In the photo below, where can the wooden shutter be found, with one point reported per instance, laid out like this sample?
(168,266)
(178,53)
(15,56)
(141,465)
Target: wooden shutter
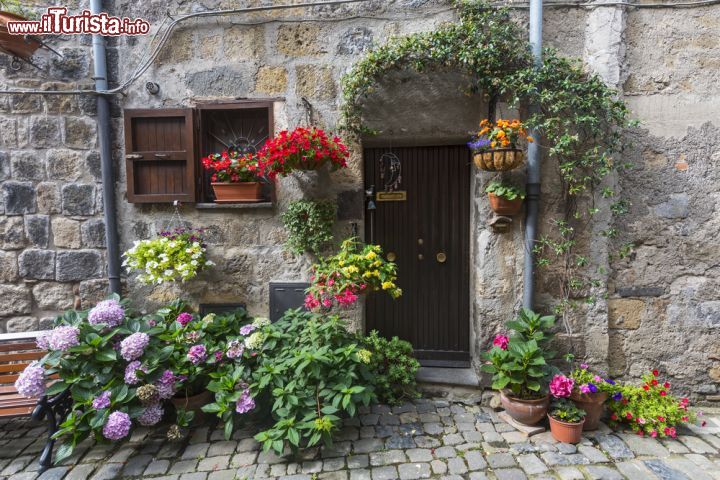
(160,155)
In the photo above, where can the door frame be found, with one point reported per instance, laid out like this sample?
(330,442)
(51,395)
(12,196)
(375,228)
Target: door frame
(472,234)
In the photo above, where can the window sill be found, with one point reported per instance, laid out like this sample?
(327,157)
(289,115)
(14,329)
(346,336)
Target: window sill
(233,206)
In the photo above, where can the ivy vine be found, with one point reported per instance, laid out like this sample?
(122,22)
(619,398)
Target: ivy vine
(309,224)
(580,120)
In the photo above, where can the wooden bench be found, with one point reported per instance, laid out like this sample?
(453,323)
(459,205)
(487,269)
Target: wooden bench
(17,351)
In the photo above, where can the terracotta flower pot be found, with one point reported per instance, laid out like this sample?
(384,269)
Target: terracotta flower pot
(528,412)
(237,192)
(194,403)
(22,46)
(499,159)
(503,206)
(566,432)
(593,404)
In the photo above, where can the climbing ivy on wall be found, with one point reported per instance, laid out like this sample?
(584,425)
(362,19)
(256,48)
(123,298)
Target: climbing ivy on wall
(579,118)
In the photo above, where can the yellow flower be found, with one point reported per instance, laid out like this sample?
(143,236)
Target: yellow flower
(364,355)
(376,273)
(388,285)
(370,255)
(377,263)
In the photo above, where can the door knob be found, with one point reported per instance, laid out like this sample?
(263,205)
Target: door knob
(420,256)
(391,256)
(441,257)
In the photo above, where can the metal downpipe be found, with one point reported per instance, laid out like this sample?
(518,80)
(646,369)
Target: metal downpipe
(533,169)
(108,180)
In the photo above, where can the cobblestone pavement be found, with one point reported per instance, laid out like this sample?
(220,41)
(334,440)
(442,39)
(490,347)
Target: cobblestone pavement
(424,439)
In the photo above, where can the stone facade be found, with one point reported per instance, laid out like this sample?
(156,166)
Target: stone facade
(662,309)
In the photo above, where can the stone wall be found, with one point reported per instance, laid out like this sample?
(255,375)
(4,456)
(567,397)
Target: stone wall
(662,309)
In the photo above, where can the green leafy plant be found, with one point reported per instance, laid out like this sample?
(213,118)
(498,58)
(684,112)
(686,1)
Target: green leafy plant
(519,363)
(505,190)
(394,367)
(179,254)
(309,224)
(649,409)
(17,7)
(313,371)
(566,411)
(357,269)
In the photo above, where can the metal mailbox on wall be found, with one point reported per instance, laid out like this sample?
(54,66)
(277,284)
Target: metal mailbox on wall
(285,296)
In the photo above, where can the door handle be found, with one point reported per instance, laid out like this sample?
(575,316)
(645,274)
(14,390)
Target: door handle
(421,256)
(441,257)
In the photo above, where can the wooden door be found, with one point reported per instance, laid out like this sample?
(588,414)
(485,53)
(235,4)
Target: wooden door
(428,234)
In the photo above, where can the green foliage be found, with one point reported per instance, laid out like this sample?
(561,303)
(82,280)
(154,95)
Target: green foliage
(579,119)
(649,409)
(309,225)
(520,364)
(312,369)
(505,189)
(566,411)
(394,367)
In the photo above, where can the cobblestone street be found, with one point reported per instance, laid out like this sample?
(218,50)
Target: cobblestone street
(424,439)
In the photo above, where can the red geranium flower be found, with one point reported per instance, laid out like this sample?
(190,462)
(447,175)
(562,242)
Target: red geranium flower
(663,393)
(655,372)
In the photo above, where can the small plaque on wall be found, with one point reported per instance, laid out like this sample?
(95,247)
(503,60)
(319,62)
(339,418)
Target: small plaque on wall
(398,196)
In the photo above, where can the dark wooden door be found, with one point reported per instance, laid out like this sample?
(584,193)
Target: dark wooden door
(433,222)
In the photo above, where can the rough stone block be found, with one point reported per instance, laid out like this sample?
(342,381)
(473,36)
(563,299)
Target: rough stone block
(66,165)
(355,40)
(28,165)
(300,40)
(73,65)
(92,165)
(37,264)
(19,198)
(48,198)
(241,42)
(93,233)
(221,81)
(44,132)
(8,267)
(66,104)
(21,324)
(640,291)
(37,229)
(26,103)
(53,296)
(625,313)
(80,133)
(315,82)
(178,49)
(8,132)
(78,265)
(66,232)
(4,165)
(78,199)
(14,300)
(12,233)
(271,80)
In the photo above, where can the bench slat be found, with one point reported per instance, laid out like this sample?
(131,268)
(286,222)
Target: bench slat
(16,412)
(14,357)
(17,346)
(13,367)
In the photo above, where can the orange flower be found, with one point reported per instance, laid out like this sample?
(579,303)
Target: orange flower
(483,131)
(484,123)
(530,139)
(501,134)
(492,144)
(505,142)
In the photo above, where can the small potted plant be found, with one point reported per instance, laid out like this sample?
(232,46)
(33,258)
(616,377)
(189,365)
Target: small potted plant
(302,149)
(566,421)
(235,177)
(22,46)
(519,367)
(505,198)
(496,146)
(590,393)
(178,254)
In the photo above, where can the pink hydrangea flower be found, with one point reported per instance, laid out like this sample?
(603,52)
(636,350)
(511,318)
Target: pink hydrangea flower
(501,341)
(31,382)
(63,338)
(102,400)
(197,354)
(109,312)
(117,426)
(184,318)
(245,403)
(561,386)
(133,346)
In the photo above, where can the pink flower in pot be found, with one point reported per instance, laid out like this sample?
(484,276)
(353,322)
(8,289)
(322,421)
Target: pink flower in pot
(561,386)
(501,341)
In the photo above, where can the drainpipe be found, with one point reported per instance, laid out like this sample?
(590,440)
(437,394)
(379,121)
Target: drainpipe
(108,181)
(533,169)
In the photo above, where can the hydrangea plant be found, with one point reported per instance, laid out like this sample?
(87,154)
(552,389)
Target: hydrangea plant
(175,255)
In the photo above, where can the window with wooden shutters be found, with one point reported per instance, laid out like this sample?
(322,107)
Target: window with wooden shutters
(160,155)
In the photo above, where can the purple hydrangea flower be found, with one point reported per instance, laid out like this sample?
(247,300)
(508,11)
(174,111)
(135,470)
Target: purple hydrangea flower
(235,349)
(151,415)
(247,329)
(197,354)
(218,356)
(109,312)
(43,340)
(102,400)
(166,385)
(63,338)
(245,403)
(31,382)
(479,144)
(134,346)
(117,426)
(184,318)
(131,377)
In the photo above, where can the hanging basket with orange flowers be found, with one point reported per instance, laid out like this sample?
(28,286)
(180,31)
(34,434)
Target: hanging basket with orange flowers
(496,146)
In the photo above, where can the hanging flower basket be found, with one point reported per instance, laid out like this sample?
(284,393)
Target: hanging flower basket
(499,160)
(22,46)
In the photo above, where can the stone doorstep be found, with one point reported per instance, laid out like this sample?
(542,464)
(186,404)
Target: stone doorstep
(528,430)
(456,377)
